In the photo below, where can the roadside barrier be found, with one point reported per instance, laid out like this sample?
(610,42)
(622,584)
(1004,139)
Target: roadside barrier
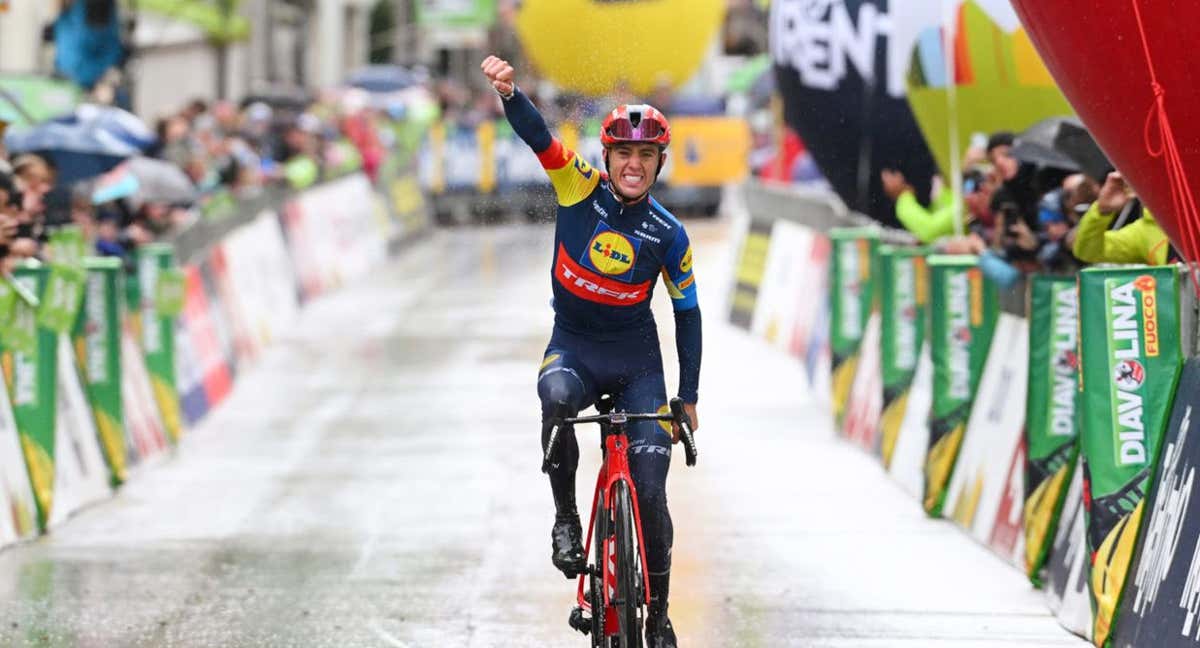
(1036,418)
(104,371)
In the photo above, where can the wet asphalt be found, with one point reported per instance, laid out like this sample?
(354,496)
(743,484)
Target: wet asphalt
(374,482)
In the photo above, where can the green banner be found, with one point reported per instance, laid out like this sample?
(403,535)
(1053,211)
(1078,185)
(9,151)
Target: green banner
(1051,428)
(158,334)
(31,377)
(850,298)
(1130,361)
(64,287)
(19,329)
(903,297)
(456,13)
(97,338)
(963,308)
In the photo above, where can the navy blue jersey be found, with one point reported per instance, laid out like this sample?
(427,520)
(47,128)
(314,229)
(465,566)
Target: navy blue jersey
(608,255)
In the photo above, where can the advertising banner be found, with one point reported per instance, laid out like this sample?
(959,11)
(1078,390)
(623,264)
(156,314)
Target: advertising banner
(98,356)
(145,436)
(780,291)
(1051,433)
(1131,355)
(1066,568)
(907,464)
(18,520)
(851,294)
(861,420)
(903,297)
(715,151)
(986,492)
(748,273)
(80,476)
(158,334)
(1161,603)
(810,334)
(31,386)
(963,307)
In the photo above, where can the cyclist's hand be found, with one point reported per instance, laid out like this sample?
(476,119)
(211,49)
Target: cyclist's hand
(690,410)
(499,73)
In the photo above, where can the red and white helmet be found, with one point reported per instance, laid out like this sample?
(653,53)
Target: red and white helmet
(635,123)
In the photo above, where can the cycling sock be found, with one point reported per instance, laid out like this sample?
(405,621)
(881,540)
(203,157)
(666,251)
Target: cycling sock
(562,475)
(660,590)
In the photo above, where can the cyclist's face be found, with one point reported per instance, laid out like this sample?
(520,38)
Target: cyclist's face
(633,167)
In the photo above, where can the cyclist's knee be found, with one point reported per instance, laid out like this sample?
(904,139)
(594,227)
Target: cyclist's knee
(560,385)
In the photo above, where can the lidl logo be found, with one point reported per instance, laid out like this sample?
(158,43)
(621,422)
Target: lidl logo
(611,253)
(583,168)
(686,264)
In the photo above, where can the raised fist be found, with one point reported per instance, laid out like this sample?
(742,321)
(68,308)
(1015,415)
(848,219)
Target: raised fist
(499,73)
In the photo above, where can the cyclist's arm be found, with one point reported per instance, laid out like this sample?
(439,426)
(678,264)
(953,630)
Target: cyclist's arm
(681,284)
(573,178)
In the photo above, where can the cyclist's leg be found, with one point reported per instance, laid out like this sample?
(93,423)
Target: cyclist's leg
(649,461)
(564,379)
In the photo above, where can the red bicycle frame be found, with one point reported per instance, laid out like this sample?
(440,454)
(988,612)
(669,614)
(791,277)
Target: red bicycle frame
(614,468)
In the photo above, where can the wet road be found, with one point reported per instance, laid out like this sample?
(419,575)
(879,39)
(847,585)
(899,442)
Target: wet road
(374,482)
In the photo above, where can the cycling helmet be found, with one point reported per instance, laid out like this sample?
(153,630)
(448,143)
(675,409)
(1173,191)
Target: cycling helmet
(635,123)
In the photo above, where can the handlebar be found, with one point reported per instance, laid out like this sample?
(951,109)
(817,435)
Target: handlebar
(619,419)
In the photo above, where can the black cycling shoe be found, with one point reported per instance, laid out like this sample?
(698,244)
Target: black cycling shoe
(659,631)
(567,542)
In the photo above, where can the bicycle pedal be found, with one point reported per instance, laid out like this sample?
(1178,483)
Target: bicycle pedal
(580,622)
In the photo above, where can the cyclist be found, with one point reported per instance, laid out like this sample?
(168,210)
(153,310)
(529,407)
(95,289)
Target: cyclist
(611,242)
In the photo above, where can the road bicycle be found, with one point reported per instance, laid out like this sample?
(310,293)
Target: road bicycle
(614,588)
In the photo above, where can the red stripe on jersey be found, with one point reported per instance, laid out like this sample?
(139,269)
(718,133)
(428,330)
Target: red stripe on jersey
(585,284)
(555,157)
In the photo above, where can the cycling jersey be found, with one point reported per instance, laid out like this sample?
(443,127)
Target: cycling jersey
(608,255)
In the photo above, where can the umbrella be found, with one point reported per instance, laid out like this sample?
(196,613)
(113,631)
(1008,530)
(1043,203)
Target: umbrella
(381,78)
(1036,146)
(122,124)
(1077,142)
(146,180)
(79,150)
(161,182)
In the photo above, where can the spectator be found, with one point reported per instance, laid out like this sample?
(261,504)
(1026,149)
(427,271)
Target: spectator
(1142,241)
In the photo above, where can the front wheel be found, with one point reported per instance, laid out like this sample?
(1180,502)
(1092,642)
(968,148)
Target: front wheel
(628,603)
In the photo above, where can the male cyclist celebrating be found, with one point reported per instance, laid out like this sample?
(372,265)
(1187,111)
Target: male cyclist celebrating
(611,242)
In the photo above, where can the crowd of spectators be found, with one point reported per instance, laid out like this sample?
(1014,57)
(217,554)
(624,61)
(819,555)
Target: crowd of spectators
(227,152)
(1020,216)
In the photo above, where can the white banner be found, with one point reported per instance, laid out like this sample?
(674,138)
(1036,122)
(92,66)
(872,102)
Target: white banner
(80,474)
(144,432)
(865,403)
(908,459)
(1066,569)
(992,443)
(779,295)
(18,520)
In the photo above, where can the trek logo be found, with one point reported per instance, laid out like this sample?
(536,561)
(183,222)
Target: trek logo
(599,210)
(585,284)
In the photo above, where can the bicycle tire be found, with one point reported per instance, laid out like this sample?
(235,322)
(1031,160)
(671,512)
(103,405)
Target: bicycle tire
(628,603)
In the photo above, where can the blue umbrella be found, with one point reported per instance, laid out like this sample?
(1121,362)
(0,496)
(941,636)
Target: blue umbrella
(124,125)
(381,78)
(79,150)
